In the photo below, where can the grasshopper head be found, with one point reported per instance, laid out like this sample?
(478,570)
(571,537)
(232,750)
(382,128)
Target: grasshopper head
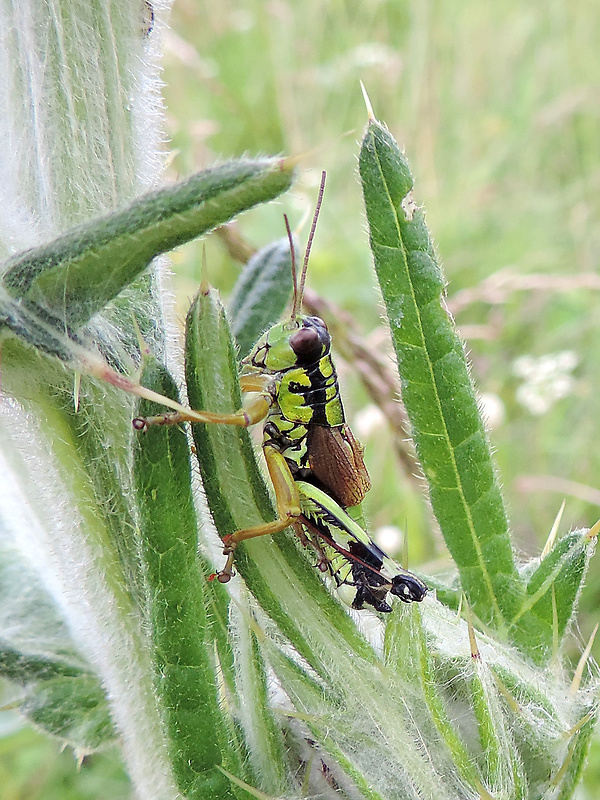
(298,342)
(301,341)
(408,588)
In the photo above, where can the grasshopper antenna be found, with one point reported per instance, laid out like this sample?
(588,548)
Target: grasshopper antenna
(299,290)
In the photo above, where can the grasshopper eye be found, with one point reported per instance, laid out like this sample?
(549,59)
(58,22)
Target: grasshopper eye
(306,343)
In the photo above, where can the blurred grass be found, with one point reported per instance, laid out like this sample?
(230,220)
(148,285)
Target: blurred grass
(497,106)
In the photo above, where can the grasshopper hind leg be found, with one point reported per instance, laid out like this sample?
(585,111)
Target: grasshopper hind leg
(288,511)
(365,595)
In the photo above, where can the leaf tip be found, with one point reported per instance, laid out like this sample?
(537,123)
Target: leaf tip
(593,531)
(553,532)
(252,791)
(289,163)
(370,112)
(475,654)
(204,287)
(76,390)
(143,346)
(576,682)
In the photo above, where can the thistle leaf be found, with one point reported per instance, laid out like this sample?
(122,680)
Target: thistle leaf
(75,276)
(551,597)
(437,391)
(184,677)
(260,294)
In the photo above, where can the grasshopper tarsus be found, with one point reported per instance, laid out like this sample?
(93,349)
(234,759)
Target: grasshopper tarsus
(221,577)
(142,424)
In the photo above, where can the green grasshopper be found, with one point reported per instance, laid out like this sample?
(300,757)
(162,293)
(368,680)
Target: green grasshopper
(315,464)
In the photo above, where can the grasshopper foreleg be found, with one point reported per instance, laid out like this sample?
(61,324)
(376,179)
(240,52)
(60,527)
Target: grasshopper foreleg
(258,399)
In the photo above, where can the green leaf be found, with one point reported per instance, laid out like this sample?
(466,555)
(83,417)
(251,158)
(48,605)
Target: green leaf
(263,735)
(33,326)
(261,293)
(236,493)
(76,275)
(72,708)
(409,654)
(22,667)
(552,592)
(577,754)
(437,391)
(502,767)
(184,678)
(60,693)
(372,723)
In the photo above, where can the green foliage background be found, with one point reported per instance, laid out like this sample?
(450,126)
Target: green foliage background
(496,106)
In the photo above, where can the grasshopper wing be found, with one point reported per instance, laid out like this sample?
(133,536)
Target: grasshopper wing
(335,458)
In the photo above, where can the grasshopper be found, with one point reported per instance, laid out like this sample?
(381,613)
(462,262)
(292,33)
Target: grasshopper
(315,464)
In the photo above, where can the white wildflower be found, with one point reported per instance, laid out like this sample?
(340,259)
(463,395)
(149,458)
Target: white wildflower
(546,379)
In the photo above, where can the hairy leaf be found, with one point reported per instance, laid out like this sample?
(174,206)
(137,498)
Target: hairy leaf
(437,391)
(73,277)
(260,294)
(184,678)
(552,592)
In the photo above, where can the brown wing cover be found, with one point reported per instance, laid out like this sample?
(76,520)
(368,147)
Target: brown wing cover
(335,458)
